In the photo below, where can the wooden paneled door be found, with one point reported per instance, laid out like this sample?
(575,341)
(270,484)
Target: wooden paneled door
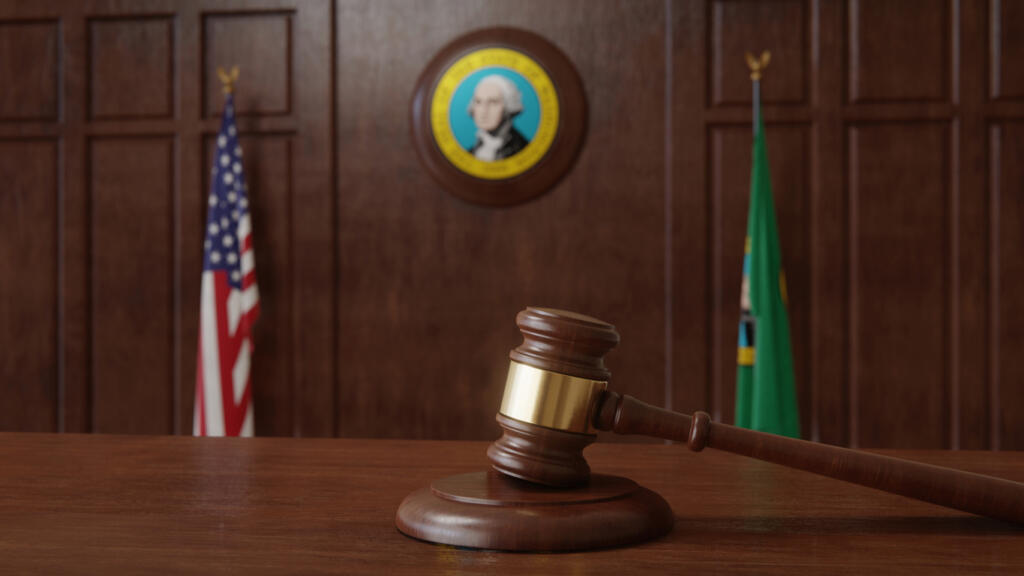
(107,111)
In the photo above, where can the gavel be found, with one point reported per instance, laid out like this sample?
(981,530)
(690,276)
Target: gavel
(556,399)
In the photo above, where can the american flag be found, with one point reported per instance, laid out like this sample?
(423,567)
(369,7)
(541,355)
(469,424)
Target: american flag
(229,301)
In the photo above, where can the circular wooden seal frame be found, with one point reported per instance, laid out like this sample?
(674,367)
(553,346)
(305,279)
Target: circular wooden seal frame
(548,156)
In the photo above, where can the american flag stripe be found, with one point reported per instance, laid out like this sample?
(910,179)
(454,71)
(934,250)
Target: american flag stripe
(244,229)
(229,297)
(248,263)
(209,362)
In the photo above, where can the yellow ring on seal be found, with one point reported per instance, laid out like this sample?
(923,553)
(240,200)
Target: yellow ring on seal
(440,104)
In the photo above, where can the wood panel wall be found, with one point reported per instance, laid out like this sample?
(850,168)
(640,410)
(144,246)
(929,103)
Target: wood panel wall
(106,114)
(895,131)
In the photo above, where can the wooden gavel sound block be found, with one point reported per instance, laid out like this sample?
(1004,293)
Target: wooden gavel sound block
(541,496)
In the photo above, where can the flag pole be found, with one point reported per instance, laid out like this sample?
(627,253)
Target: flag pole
(757,66)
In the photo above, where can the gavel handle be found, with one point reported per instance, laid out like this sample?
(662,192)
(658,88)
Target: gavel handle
(975,493)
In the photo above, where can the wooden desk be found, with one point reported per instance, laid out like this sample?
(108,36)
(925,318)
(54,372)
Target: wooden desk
(161,505)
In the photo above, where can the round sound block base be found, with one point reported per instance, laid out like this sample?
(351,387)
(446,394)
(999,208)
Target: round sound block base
(492,511)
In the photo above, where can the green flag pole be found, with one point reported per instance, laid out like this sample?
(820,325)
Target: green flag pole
(765,386)
(757,66)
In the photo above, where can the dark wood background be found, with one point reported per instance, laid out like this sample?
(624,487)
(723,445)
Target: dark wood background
(895,131)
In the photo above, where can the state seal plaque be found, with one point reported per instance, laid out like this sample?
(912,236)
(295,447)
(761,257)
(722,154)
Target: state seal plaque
(498,116)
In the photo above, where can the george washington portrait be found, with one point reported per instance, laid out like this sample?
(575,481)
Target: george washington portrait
(495,104)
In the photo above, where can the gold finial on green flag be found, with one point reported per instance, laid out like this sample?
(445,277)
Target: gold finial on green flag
(757,64)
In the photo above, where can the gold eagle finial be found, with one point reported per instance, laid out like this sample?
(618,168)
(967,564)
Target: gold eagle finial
(758,64)
(228,80)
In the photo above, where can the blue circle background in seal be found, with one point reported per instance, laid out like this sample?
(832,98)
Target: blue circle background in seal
(458,111)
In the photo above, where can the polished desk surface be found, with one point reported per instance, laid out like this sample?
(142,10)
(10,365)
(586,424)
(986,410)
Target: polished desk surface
(162,505)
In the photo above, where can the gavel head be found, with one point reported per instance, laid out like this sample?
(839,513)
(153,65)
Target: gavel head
(555,384)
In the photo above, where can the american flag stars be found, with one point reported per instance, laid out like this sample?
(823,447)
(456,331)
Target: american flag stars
(228,206)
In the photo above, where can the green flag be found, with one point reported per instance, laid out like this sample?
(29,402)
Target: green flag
(765,390)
